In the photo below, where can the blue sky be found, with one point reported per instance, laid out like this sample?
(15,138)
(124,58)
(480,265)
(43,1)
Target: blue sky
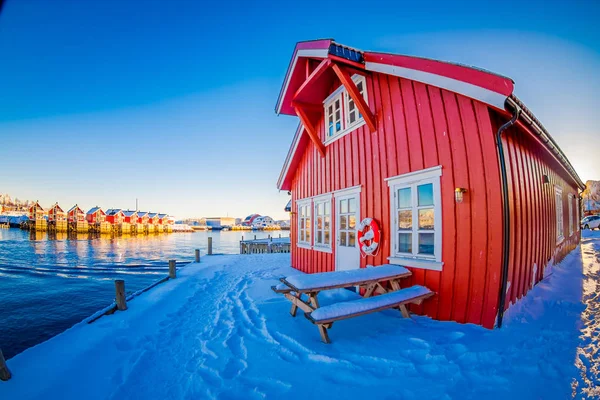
(103,102)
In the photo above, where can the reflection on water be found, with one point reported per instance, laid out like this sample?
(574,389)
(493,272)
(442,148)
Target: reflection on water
(48,282)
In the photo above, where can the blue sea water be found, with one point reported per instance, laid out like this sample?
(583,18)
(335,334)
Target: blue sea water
(47,283)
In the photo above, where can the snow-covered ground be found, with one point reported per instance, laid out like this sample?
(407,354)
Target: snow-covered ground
(218,331)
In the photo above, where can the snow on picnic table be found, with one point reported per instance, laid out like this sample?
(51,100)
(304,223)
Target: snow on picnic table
(219,331)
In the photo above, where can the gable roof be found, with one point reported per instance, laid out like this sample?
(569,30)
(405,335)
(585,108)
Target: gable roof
(113,211)
(94,210)
(56,208)
(487,87)
(142,213)
(75,208)
(129,213)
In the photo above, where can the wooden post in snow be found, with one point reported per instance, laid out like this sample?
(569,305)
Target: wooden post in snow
(197,255)
(4,371)
(172,269)
(210,245)
(254,237)
(120,295)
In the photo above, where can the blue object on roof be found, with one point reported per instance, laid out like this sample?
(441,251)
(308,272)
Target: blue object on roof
(345,52)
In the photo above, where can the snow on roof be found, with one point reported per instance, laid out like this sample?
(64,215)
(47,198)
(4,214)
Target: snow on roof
(113,211)
(93,210)
(128,213)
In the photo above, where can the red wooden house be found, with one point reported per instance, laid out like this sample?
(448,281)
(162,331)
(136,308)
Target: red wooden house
(130,217)
(114,216)
(95,215)
(56,214)
(75,214)
(36,212)
(153,218)
(412,143)
(142,217)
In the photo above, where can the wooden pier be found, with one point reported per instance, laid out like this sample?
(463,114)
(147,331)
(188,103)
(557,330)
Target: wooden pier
(268,245)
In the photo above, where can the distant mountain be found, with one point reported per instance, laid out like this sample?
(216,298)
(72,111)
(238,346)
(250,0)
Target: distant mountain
(591,197)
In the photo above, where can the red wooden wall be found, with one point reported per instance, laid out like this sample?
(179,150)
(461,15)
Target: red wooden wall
(533,210)
(420,126)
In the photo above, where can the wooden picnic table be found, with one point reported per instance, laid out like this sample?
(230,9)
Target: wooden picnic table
(370,278)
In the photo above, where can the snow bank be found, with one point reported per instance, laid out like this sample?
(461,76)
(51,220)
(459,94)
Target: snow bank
(219,331)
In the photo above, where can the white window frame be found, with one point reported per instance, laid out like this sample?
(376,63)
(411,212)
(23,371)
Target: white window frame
(559,214)
(344,97)
(414,179)
(570,197)
(307,204)
(322,199)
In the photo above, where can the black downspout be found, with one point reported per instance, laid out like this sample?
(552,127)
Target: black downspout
(505,215)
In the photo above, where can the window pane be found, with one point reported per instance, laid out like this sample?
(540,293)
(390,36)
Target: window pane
(352,205)
(308,224)
(426,218)
(351,238)
(319,222)
(405,242)
(327,223)
(351,222)
(308,234)
(302,235)
(326,237)
(343,222)
(302,223)
(342,238)
(404,198)
(320,208)
(319,237)
(425,193)
(359,86)
(338,126)
(352,117)
(405,220)
(426,241)
(344,206)
(327,208)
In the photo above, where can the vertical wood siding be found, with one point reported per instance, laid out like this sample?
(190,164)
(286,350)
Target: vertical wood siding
(533,245)
(419,126)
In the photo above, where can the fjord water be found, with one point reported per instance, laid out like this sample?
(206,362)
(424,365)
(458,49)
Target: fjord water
(48,283)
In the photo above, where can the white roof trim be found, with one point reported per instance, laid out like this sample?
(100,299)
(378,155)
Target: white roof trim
(288,162)
(316,53)
(475,92)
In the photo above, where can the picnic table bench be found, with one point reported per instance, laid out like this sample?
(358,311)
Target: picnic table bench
(370,278)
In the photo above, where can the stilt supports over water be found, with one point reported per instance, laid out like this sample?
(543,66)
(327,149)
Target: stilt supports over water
(209,245)
(172,269)
(197,255)
(4,371)
(120,295)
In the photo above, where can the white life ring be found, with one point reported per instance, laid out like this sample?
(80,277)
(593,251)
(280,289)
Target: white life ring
(369,236)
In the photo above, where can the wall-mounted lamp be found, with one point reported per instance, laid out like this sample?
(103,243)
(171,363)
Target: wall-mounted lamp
(459,194)
(546,180)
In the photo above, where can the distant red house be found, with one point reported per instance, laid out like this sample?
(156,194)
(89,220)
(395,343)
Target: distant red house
(36,211)
(130,217)
(142,217)
(163,219)
(75,214)
(56,214)
(114,216)
(95,215)
(412,143)
(153,218)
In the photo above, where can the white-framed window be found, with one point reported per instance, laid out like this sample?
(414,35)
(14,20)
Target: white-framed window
(322,225)
(304,223)
(570,214)
(559,213)
(341,114)
(416,219)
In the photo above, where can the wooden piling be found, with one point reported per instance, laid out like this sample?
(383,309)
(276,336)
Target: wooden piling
(120,295)
(254,237)
(172,269)
(197,255)
(209,245)
(4,371)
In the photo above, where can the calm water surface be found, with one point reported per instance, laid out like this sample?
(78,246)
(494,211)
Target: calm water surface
(47,284)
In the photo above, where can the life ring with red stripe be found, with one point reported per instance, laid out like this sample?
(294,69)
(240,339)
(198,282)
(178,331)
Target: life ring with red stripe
(369,236)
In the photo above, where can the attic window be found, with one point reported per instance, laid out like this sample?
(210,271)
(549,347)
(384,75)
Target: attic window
(341,114)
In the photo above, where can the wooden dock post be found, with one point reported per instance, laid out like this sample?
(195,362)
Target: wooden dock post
(172,268)
(120,295)
(254,237)
(4,371)
(210,245)
(280,236)
(197,255)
